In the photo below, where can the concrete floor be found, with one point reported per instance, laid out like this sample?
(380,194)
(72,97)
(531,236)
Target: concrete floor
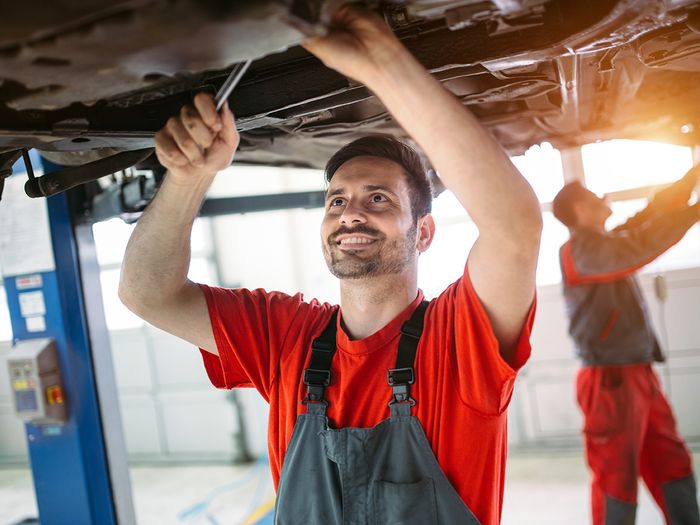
(542,489)
(552,489)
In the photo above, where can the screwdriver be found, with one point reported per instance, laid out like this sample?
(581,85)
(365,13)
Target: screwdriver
(231,82)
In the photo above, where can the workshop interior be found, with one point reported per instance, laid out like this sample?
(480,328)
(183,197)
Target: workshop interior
(105,419)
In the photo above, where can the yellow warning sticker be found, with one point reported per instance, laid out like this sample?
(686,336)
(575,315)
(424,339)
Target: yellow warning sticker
(20,384)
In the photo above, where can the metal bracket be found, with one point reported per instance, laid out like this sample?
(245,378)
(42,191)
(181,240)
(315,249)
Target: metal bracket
(64,179)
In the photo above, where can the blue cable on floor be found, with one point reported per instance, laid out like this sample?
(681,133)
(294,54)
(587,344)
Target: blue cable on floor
(258,496)
(200,509)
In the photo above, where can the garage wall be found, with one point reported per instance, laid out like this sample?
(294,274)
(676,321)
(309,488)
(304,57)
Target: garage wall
(169,408)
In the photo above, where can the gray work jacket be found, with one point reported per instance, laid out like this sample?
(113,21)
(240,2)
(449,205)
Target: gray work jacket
(608,317)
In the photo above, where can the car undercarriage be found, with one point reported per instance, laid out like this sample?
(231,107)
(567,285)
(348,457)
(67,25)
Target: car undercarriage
(83,80)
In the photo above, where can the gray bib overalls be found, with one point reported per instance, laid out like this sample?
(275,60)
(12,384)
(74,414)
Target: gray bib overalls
(384,475)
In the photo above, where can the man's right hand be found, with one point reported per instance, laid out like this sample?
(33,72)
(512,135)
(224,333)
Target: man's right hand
(199,142)
(678,193)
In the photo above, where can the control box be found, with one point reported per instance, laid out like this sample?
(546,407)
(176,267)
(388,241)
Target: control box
(35,381)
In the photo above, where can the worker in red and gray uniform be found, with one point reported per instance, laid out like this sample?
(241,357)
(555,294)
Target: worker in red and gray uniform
(629,427)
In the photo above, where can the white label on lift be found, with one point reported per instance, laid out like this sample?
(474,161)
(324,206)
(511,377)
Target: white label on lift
(32,304)
(36,323)
(25,236)
(29,281)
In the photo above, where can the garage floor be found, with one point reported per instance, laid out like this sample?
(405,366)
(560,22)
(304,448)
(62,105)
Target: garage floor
(542,489)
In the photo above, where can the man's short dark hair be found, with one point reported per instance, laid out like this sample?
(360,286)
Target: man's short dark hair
(563,203)
(387,147)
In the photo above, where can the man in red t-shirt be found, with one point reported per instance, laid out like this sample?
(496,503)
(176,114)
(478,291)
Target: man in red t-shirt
(387,408)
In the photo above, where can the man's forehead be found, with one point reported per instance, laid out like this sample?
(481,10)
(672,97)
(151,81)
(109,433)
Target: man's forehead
(368,172)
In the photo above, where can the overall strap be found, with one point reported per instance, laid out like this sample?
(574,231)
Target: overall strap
(318,376)
(402,375)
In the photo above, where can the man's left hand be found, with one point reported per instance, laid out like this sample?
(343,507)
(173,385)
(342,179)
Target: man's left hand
(358,42)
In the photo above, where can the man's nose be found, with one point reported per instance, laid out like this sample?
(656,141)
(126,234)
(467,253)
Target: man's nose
(352,214)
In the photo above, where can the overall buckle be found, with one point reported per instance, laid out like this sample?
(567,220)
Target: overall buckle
(316,381)
(399,380)
(317,377)
(400,376)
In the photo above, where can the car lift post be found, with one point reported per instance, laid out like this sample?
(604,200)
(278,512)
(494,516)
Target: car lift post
(79,468)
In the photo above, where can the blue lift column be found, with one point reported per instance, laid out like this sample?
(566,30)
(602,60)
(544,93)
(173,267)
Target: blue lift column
(53,290)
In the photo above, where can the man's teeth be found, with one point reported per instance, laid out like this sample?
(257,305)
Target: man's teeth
(355,240)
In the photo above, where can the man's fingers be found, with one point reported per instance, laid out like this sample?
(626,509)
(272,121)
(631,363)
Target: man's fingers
(196,127)
(341,20)
(346,14)
(188,142)
(355,17)
(207,111)
(167,151)
(184,141)
(228,133)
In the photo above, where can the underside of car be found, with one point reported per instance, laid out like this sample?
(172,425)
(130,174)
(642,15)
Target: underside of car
(82,80)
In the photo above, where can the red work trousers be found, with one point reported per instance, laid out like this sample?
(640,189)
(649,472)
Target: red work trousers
(629,431)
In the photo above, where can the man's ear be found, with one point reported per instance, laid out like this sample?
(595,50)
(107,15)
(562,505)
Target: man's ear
(426,232)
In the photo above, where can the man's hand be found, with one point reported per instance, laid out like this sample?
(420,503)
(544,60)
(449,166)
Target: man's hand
(678,193)
(199,142)
(357,43)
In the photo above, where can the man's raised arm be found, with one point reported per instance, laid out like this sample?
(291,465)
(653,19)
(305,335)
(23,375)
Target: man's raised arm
(472,165)
(194,146)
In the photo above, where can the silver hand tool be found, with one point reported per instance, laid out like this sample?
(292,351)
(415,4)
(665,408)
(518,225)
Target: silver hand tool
(233,79)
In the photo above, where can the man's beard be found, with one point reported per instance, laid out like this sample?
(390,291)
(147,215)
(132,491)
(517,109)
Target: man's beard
(391,258)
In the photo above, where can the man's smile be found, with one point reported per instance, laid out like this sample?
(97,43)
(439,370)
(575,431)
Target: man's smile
(353,242)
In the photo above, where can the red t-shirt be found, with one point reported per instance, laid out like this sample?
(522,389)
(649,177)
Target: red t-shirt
(462,386)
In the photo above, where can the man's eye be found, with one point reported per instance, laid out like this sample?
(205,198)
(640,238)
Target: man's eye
(378,198)
(337,202)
